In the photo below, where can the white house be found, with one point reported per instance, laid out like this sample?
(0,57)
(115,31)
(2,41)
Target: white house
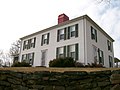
(80,38)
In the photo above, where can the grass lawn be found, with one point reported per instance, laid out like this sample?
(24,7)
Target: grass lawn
(33,69)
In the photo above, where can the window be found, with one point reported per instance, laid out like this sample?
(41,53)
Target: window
(30,43)
(61,52)
(72,51)
(110,61)
(61,34)
(45,39)
(28,58)
(73,31)
(67,32)
(101,56)
(93,34)
(109,45)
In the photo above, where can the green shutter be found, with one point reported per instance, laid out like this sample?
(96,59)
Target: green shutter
(58,35)
(57,52)
(32,58)
(64,51)
(34,42)
(24,45)
(42,40)
(99,54)
(68,32)
(91,32)
(65,30)
(110,46)
(22,57)
(48,35)
(96,35)
(76,51)
(68,50)
(102,58)
(76,30)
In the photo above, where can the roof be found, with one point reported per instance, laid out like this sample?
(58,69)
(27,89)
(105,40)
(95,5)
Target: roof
(67,22)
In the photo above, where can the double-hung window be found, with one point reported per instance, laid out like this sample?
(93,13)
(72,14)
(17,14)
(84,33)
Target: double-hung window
(61,34)
(101,56)
(28,58)
(109,45)
(29,43)
(110,61)
(93,34)
(45,39)
(72,31)
(61,52)
(72,51)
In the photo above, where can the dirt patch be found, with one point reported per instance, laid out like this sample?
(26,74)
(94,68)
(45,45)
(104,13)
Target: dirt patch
(33,69)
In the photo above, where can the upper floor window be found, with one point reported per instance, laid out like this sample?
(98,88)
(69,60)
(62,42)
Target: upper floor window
(73,31)
(93,34)
(109,45)
(61,34)
(101,56)
(28,58)
(67,32)
(110,61)
(45,39)
(29,43)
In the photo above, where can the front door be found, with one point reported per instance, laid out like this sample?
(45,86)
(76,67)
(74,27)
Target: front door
(43,57)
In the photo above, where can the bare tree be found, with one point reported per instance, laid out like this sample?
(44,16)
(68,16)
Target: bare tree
(5,59)
(15,48)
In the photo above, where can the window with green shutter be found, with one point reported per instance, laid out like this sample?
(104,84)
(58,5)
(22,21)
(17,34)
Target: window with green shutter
(61,52)
(109,44)
(93,34)
(110,61)
(101,56)
(45,39)
(73,51)
(76,51)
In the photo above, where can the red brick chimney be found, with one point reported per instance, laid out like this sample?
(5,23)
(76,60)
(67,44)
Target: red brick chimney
(62,18)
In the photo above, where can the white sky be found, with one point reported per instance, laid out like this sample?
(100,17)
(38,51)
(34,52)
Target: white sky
(19,18)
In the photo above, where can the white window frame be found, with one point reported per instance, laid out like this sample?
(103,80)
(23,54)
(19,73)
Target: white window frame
(72,30)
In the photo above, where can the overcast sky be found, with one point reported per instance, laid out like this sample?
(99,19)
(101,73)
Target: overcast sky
(22,17)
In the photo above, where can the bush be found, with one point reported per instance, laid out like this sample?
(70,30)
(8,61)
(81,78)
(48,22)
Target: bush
(21,64)
(94,65)
(62,62)
(78,64)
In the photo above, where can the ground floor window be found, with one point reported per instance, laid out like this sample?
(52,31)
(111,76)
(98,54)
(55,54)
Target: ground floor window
(28,58)
(110,61)
(68,51)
